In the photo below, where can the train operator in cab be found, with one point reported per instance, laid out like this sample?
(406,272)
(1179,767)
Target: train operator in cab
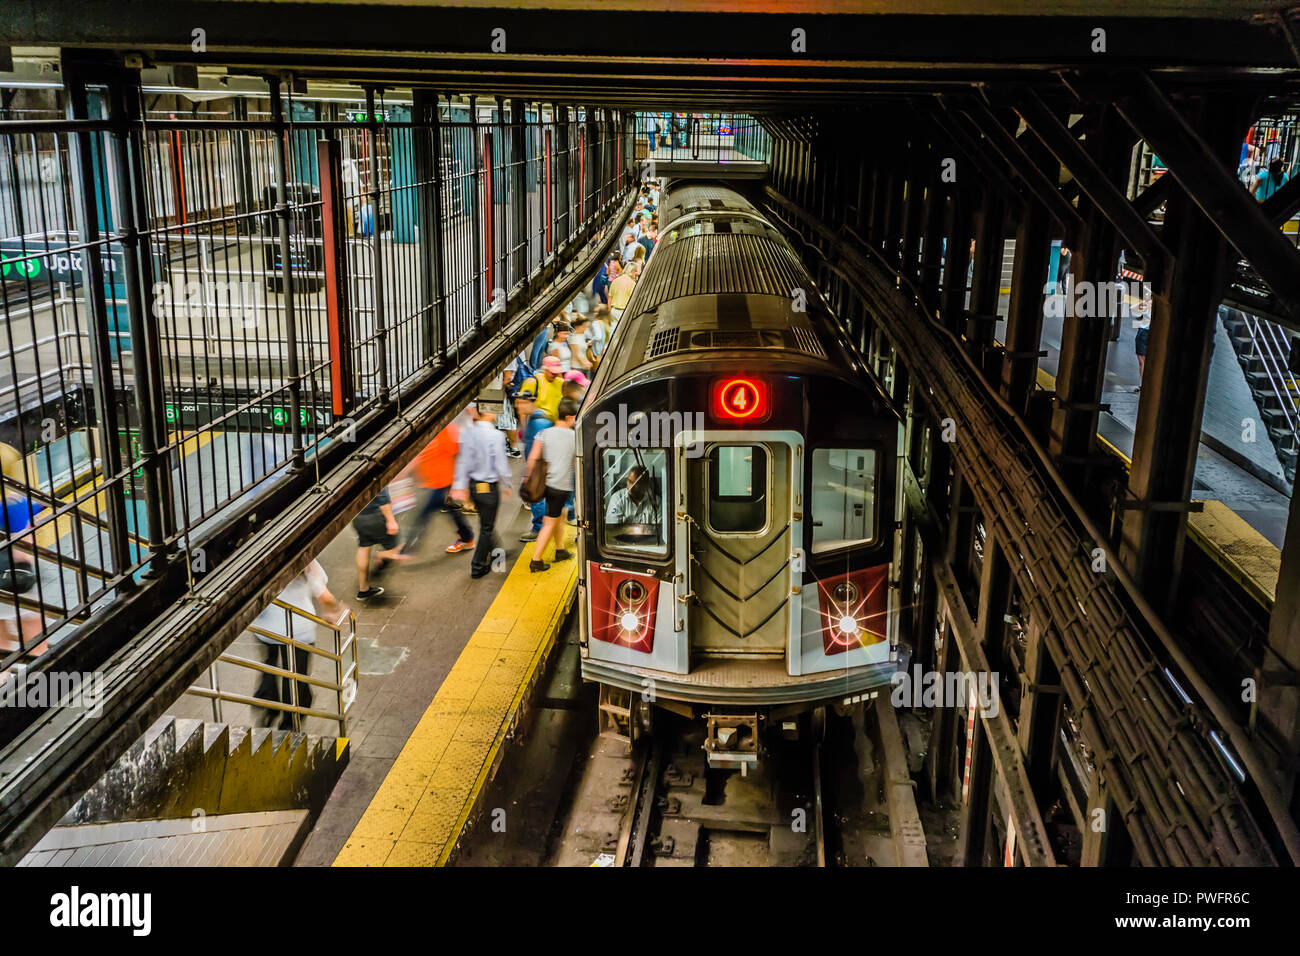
(634,503)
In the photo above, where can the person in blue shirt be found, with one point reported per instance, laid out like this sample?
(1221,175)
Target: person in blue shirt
(483,474)
(538,350)
(600,284)
(532,420)
(1270,180)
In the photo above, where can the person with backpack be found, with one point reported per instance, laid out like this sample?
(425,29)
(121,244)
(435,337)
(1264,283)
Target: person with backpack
(547,387)
(532,421)
(556,447)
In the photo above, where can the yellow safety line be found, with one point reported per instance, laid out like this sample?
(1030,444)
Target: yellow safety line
(436,782)
(51,532)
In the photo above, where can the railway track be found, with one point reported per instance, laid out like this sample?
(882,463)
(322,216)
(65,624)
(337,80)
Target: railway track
(811,802)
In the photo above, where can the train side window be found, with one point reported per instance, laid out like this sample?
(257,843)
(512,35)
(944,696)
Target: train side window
(737,489)
(633,487)
(843,498)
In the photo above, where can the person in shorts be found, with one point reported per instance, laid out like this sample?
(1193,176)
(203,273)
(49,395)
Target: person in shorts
(376,527)
(557,447)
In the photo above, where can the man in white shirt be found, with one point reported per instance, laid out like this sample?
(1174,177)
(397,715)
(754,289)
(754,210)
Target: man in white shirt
(277,621)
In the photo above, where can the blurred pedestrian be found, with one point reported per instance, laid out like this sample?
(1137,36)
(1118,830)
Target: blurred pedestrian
(556,447)
(532,421)
(435,469)
(483,475)
(376,527)
(276,620)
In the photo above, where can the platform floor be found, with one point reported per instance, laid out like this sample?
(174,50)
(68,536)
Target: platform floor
(432,789)
(408,642)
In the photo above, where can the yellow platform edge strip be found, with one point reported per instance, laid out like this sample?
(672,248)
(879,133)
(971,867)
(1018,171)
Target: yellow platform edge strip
(415,763)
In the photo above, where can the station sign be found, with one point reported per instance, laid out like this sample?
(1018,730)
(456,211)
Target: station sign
(41,262)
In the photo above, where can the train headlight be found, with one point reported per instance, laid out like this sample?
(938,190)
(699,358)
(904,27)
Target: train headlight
(631,592)
(854,609)
(622,607)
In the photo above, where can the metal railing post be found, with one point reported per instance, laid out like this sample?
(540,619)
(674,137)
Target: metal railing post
(381,330)
(477,205)
(145,344)
(285,214)
(101,357)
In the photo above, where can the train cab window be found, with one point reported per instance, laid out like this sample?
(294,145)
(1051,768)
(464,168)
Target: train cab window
(843,498)
(737,489)
(633,489)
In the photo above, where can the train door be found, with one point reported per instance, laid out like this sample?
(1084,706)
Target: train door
(738,535)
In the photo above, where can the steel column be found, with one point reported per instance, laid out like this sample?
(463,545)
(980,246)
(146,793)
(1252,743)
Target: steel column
(1168,430)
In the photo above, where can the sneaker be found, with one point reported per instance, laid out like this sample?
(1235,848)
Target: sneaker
(528,536)
(368,593)
(460,546)
(538,566)
(562,555)
(514,453)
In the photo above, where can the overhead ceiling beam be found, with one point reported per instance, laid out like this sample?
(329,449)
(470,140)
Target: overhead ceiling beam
(1216,191)
(1020,163)
(1095,184)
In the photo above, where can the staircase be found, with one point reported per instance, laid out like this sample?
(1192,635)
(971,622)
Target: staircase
(1264,352)
(250,793)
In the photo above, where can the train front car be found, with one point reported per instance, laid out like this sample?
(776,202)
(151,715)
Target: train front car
(738,491)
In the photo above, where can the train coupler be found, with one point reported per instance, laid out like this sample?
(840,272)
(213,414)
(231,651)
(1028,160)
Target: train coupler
(732,741)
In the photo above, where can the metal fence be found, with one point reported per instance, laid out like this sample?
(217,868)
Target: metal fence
(703,137)
(194,306)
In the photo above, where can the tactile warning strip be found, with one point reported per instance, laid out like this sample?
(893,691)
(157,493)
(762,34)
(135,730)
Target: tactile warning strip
(434,786)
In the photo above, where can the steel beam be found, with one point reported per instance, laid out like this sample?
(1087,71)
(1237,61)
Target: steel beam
(1204,172)
(1024,332)
(1168,431)
(1279,700)
(1092,180)
(1022,164)
(1081,365)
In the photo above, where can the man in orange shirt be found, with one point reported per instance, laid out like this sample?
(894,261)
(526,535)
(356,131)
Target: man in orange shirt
(435,468)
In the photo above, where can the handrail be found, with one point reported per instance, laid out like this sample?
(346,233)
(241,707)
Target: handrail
(344,658)
(1264,335)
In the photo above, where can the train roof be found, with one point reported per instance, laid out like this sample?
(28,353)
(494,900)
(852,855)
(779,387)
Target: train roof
(722,278)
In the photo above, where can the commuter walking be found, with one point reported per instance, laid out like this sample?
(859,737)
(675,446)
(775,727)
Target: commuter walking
(435,469)
(620,290)
(275,620)
(547,387)
(555,447)
(376,527)
(483,474)
(533,421)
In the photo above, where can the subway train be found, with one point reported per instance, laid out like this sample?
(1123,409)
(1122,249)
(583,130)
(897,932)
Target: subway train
(737,493)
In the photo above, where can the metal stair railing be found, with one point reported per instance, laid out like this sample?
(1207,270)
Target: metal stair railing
(1273,353)
(343,688)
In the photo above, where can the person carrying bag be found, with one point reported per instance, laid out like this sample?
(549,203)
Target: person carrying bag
(533,487)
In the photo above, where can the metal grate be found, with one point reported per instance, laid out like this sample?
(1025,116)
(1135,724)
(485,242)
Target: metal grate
(807,341)
(664,342)
(715,264)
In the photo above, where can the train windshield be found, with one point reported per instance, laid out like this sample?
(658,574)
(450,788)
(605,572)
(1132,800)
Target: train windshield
(737,489)
(633,489)
(843,498)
